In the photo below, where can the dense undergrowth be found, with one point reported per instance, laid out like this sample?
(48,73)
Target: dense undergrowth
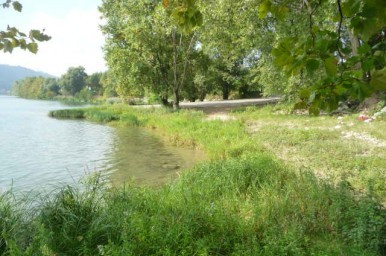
(244,201)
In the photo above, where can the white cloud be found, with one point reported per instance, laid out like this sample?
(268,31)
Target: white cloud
(76,41)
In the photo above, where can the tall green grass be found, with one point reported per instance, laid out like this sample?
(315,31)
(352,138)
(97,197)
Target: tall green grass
(67,113)
(253,205)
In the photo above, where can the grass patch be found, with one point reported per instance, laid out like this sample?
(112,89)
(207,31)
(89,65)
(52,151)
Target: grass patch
(334,149)
(252,205)
(67,114)
(276,184)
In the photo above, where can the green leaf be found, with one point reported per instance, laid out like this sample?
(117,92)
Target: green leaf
(330,65)
(378,79)
(368,64)
(360,90)
(314,109)
(340,90)
(22,34)
(333,103)
(199,19)
(23,44)
(312,65)
(300,105)
(15,43)
(264,9)
(37,35)
(32,47)
(363,49)
(351,7)
(304,94)
(322,45)
(379,53)
(280,12)
(17,6)
(7,46)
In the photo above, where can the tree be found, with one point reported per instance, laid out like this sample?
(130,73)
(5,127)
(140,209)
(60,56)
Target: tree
(11,37)
(234,39)
(50,88)
(108,84)
(73,81)
(135,51)
(93,83)
(145,49)
(343,51)
(36,88)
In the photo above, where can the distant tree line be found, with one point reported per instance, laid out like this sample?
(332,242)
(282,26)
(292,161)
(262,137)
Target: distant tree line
(74,83)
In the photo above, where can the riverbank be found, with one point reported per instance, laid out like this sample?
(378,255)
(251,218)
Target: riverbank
(333,148)
(274,184)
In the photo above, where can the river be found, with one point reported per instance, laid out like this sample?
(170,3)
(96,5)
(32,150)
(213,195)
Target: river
(40,153)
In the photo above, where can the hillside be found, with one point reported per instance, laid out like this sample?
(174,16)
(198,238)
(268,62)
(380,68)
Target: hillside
(10,74)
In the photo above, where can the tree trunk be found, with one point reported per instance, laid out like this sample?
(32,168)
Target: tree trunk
(176,100)
(176,95)
(225,91)
(354,42)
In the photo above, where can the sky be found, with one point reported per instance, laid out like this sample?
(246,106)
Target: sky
(74,28)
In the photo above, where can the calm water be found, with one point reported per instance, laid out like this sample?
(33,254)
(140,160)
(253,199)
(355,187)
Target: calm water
(38,152)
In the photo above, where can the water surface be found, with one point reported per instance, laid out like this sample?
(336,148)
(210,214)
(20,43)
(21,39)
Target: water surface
(38,152)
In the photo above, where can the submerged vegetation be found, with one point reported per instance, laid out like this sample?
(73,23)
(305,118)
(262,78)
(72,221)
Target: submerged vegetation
(251,198)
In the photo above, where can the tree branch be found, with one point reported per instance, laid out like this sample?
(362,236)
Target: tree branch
(311,14)
(339,28)
(186,60)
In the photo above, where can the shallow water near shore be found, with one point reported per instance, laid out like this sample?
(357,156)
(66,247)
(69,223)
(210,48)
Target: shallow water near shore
(40,153)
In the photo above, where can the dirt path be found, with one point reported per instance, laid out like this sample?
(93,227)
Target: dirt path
(219,106)
(226,105)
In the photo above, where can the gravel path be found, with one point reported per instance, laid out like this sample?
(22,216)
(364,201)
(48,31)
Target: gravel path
(214,106)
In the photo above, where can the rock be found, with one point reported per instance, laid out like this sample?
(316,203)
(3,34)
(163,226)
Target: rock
(170,166)
(363,117)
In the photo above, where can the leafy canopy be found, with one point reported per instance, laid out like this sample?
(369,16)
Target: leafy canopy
(343,50)
(185,14)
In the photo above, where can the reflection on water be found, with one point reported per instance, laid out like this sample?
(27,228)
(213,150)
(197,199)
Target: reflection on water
(38,152)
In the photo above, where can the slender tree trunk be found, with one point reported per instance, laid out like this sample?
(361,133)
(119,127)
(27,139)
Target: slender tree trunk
(179,80)
(225,91)
(176,98)
(176,101)
(354,42)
